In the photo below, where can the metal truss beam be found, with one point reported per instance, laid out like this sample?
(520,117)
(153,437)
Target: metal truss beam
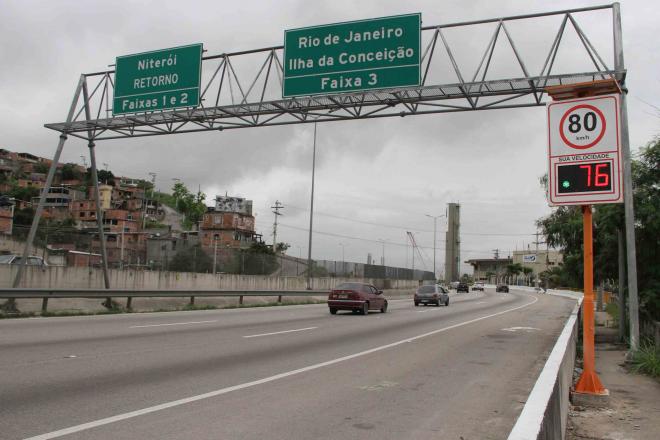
(232,100)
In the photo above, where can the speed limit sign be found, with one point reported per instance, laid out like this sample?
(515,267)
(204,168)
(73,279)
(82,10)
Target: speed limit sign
(584,154)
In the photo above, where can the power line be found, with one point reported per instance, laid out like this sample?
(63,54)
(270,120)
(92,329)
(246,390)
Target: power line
(405,228)
(331,234)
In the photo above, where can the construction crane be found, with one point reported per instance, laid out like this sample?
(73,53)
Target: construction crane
(413,242)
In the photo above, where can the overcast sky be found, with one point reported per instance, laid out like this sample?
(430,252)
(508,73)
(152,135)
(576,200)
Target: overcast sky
(375,179)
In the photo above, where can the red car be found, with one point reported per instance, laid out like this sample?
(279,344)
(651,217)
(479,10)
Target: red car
(356,297)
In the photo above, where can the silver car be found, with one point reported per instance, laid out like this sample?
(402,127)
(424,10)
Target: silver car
(431,294)
(32,260)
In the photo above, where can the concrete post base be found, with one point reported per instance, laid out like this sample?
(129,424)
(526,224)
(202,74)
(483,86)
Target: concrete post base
(589,400)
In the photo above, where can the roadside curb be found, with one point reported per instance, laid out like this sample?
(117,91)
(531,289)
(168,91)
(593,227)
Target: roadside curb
(545,413)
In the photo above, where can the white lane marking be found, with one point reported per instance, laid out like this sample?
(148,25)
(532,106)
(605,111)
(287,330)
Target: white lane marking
(174,403)
(481,302)
(282,332)
(517,329)
(174,323)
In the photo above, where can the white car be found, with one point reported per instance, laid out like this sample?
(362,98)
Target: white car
(478,286)
(32,260)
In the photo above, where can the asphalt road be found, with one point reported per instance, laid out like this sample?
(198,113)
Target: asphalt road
(292,372)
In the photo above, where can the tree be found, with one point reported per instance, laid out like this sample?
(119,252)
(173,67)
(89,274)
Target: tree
(26,194)
(282,247)
(106,177)
(258,259)
(513,269)
(70,171)
(563,229)
(41,167)
(193,206)
(191,259)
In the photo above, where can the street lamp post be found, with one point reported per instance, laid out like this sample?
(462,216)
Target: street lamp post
(435,229)
(311,216)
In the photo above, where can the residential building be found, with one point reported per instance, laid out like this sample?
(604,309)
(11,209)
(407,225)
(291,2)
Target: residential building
(161,248)
(6,220)
(229,224)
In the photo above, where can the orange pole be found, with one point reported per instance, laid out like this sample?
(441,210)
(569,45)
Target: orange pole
(589,382)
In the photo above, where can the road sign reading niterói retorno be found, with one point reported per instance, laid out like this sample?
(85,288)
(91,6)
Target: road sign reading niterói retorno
(158,80)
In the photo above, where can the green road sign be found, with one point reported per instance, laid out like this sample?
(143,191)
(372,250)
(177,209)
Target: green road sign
(158,80)
(357,55)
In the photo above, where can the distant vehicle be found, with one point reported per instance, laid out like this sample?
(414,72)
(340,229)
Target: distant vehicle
(502,288)
(432,294)
(478,286)
(32,260)
(356,297)
(462,287)
(453,285)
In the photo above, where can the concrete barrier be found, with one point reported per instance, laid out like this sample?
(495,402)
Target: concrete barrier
(92,278)
(545,414)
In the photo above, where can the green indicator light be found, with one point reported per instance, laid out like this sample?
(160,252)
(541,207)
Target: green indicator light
(566,184)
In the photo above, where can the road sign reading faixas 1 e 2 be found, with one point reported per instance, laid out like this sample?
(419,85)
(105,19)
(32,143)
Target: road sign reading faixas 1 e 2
(352,56)
(158,80)
(584,153)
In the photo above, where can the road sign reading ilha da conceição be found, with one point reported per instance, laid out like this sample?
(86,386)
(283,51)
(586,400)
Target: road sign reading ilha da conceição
(352,56)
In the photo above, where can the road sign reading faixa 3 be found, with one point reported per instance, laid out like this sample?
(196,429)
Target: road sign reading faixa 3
(158,80)
(584,153)
(358,55)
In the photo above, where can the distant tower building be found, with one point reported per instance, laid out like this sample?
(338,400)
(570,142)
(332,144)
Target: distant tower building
(369,258)
(453,243)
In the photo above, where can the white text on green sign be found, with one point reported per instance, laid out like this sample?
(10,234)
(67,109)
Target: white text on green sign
(158,80)
(358,55)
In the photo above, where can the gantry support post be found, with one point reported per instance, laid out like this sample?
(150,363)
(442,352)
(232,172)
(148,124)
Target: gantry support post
(95,179)
(631,255)
(10,305)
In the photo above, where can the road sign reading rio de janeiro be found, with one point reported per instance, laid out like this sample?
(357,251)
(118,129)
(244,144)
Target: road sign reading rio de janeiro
(584,152)
(158,80)
(352,56)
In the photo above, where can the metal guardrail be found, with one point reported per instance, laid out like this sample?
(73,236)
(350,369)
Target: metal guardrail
(46,293)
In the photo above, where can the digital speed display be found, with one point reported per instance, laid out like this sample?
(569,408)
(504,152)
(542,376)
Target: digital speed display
(587,177)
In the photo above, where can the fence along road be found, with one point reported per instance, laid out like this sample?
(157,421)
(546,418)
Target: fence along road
(462,370)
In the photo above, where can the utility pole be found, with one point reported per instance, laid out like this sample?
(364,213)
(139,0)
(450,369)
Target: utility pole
(215,254)
(536,258)
(277,208)
(121,252)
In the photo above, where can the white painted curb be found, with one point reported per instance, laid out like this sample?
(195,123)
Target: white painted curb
(529,423)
